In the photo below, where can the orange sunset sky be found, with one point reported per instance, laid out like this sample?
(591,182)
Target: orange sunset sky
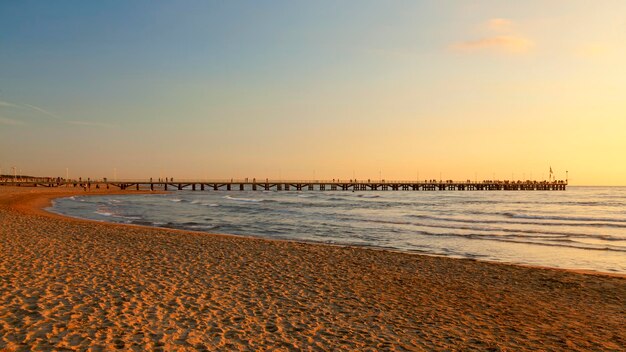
(303,90)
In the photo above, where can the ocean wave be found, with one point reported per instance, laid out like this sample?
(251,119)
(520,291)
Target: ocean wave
(129,217)
(544,234)
(103,213)
(252,200)
(564,218)
(112,214)
(600,203)
(577,245)
(145,223)
(503,221)
(202,227)
(190,223)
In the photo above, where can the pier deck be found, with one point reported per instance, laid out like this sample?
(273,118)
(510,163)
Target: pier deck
(286,185)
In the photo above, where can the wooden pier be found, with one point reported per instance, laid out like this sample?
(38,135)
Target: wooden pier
(285,185)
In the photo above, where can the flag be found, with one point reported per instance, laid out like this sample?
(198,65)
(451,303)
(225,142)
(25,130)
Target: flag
(550,169)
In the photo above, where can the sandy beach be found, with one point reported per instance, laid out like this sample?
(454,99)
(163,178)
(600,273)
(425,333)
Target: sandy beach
(82,285)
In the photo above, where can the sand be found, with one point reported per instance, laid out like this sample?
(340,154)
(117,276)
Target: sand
(82,285)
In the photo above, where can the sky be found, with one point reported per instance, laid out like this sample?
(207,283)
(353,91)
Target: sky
(398,90)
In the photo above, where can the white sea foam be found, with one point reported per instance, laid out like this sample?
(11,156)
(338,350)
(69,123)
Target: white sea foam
(103,213)
(130,217)
(243,199)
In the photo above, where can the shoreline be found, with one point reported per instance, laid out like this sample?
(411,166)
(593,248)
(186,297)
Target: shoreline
(47,202)
(72,283)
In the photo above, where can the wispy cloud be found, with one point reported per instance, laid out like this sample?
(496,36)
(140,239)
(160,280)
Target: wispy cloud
(7,104)
(500,25)
(501,38)
(89,123)
(38,109)
(10,122)
(28,107)
(43,112)
(501,43)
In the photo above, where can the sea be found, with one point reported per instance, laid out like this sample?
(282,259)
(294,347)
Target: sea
(580,228)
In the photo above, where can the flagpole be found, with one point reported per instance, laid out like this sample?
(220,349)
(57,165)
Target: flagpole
(551,176)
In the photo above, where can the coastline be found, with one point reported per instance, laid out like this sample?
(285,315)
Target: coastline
(42,202)
(199,290)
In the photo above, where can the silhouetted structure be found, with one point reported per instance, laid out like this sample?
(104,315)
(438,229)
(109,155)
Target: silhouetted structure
(281,185)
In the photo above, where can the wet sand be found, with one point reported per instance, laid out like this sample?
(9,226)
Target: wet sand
(76,284)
